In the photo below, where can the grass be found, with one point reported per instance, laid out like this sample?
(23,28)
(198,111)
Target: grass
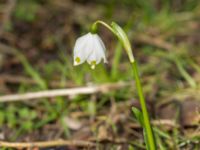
(164,73)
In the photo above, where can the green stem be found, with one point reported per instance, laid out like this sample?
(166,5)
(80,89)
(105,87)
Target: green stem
(94,26)
(147,125)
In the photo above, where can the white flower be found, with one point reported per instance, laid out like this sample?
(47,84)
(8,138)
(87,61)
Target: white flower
(89,48)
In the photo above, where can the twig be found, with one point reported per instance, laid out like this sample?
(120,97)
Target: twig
(76,143)
(160,122)
(165,122)
(63,92)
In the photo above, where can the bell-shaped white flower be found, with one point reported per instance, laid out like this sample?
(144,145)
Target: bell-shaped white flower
(89,48)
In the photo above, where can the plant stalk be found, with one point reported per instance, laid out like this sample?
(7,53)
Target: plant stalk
(147,124)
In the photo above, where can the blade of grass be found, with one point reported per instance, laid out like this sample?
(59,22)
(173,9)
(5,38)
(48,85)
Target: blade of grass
(184,73)
(31,71)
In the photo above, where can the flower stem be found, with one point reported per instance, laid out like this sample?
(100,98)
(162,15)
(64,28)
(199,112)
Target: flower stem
(94,26)
(147,125)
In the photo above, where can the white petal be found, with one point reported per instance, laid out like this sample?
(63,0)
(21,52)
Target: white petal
(80,42)
(99,51)
(89,48)
(92,57)
(100,48)
(80,49)
(101,42)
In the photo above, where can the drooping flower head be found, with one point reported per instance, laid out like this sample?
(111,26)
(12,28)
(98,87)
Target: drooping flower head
(89,48)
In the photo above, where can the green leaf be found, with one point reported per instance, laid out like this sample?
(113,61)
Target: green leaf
(120,33)
(138,115)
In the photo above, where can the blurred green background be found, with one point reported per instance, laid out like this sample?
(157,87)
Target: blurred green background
(36,53)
